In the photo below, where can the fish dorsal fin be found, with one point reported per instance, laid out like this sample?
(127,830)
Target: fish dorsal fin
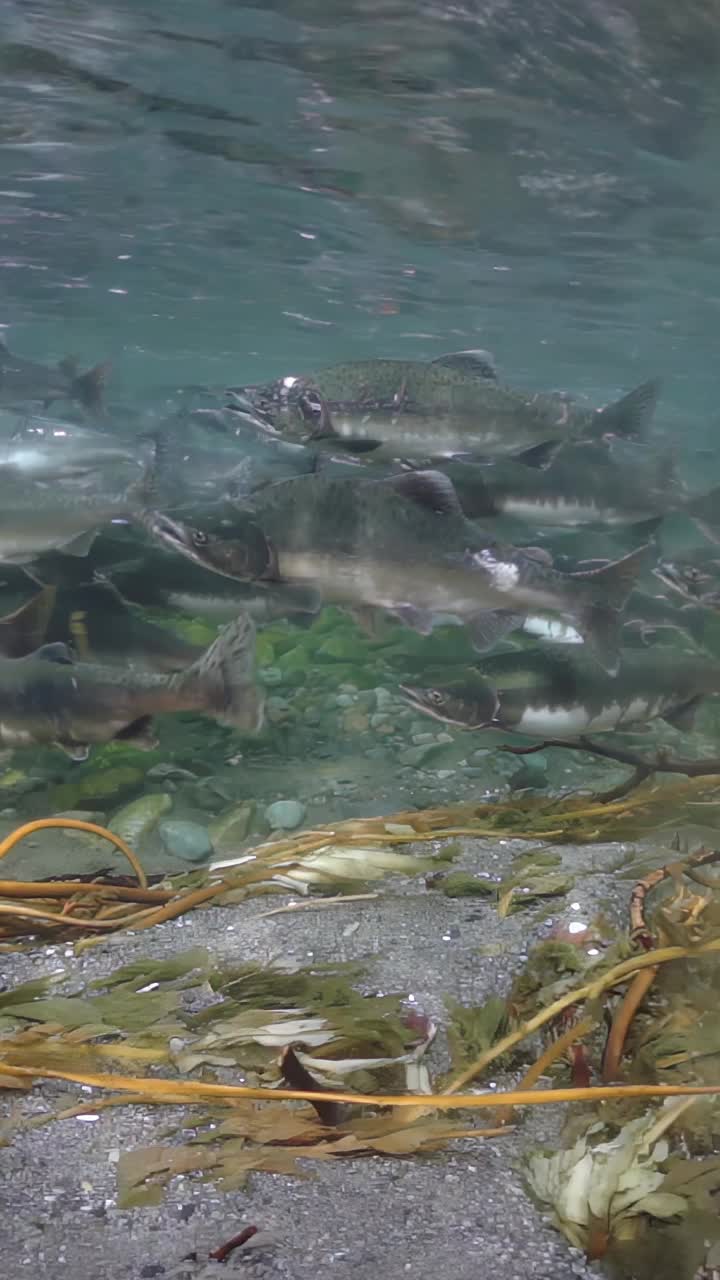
(88,388)
(429,489)
(478,363)
(70,366)
(57,652)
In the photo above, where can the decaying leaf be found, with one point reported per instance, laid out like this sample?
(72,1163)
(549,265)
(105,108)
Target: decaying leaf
(273,1138)
(595,1188)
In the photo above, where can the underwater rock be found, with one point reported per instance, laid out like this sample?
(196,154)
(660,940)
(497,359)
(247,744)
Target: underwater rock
(137,819)
(461,884)
(232,827)
(164,771)
(285,815)
(292,662)
(416,756)
(187,840)
(103,786)
(80,815)
(342,648)
(355,721)
(270,676)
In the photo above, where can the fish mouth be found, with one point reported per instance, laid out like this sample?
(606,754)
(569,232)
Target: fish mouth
(247,559)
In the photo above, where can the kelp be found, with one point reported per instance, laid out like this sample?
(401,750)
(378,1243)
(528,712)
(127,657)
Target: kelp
(637,1011)
(138,1013)
(338,856)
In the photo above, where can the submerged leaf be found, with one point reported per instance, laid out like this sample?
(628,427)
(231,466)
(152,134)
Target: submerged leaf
(473,1029)
(142,972)
(602,1184)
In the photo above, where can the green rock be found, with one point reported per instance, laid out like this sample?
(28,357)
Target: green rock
(136,820)
(461,884)
(229,830)
(264,650)
(187,840)
(296,659)
(343,647)
(108,785)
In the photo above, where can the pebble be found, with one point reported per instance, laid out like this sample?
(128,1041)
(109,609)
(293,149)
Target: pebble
(285,815)
(416,755)
(356,721)
(187,840)
(344,700)
(383,699)
(229,830)
(270,676)
(420,739)
(136,820)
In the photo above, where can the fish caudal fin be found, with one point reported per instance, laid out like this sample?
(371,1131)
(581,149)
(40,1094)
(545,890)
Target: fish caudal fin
(89,388)
(223,679)
(602,594)
(24,631)
(705,512)
(630,416)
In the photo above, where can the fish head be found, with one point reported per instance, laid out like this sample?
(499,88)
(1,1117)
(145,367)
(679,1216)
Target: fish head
(472,706)
(246,558)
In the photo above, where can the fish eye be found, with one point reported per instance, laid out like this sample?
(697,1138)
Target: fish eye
(199,538)
(436,697)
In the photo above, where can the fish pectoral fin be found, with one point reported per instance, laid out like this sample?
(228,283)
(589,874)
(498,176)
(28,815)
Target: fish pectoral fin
(351,444)
(79,545)
(601,625)
(539,456)
(419,620)
(56,652)
(477,363)
(78,751)
(431,490)
(487,628)
(683,717)
(140,733)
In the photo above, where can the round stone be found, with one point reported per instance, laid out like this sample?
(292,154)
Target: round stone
(285,815)
(187,840)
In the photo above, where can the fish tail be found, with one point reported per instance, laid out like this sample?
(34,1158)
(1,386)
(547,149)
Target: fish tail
(223,678)
(705,512)
(632,415)
(89,388)
(600,596)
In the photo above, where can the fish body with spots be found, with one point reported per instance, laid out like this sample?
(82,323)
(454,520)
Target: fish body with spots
(403,544)
(435,409)
(558,692)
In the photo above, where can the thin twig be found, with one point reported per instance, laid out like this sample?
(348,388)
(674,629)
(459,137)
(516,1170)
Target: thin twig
(162,1089)
(318,903)
(624,1014)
